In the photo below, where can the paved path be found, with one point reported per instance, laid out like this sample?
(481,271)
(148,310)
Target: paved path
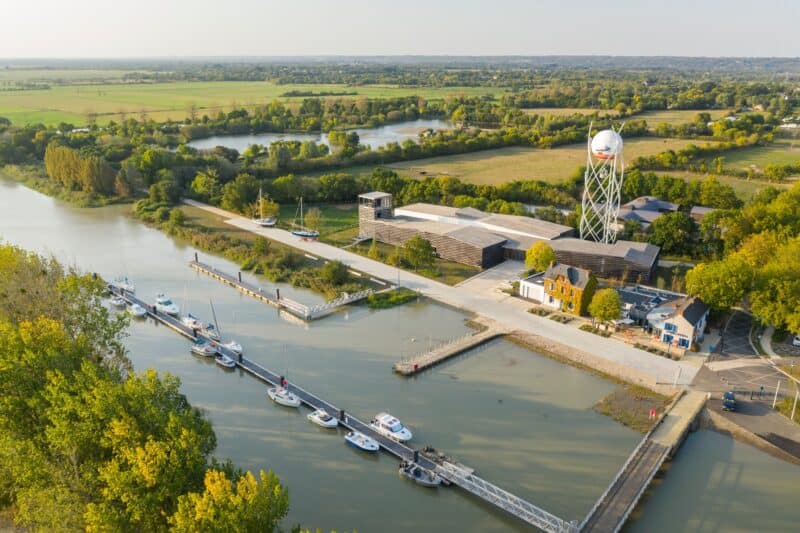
(766,342)
(675,425)
(736,337)
(657,369)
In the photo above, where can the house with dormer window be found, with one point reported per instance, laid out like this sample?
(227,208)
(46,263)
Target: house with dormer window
(680,322)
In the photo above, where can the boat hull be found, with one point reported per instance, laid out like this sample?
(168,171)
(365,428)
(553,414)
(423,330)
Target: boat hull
(225,361)
(362,442)
(314,419)
(281,399)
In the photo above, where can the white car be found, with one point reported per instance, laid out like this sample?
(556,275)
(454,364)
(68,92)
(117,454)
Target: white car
(796,340)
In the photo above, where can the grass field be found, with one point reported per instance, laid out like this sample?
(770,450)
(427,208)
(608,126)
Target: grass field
(745,189)
(507,164)
(163,101)
(781,152)
(335,217)
(677,116)
(566,111)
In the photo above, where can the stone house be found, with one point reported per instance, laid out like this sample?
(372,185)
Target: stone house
(573,287)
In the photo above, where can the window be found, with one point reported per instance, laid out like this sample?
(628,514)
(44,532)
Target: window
(683,343)
(666,338)
(572,292)
(570,306)
(670,327)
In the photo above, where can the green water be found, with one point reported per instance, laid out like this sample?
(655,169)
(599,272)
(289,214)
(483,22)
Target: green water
(521,420)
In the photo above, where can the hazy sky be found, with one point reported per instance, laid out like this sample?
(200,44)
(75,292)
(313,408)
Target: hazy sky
(140,28)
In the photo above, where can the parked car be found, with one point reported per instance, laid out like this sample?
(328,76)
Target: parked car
(729,401)
(796,340)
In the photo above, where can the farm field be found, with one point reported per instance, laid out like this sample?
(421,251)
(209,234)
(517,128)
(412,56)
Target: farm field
(675,117)
(781,152)
(744,188)
(506,164)
(171,101)
(567,111)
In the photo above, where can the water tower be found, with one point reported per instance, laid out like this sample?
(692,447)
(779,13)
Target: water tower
(602,185)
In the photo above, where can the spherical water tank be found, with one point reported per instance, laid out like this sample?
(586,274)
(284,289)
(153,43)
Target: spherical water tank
(607,144)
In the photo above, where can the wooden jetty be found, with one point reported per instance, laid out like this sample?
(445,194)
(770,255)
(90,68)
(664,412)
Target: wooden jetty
(452,473)
(446,350)
(274,298)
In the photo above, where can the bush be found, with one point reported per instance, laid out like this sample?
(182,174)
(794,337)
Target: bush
(334,272)
(384,300)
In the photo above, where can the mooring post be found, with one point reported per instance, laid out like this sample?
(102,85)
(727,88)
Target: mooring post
(775,399)
(240,276)
(277,294)
(195,258)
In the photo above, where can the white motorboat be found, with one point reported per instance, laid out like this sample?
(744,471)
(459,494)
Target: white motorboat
(137,311)
(191,321)
(233,346)
(210,331)
(165,305)
(225,361)
(390,427)
(321,418)
(117,301)
(125,284)
(361,441)
(283,397)
(203,348)
(419,475)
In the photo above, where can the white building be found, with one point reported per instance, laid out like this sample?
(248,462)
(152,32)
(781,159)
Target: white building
(680,322)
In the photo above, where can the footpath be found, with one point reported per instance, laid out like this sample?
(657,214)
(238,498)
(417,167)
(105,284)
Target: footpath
(613,357)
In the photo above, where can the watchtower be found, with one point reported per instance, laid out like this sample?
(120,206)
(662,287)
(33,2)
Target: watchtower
(374,205)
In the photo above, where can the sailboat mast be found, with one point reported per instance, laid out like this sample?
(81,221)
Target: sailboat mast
(260,203)
(214,314)
(302,224)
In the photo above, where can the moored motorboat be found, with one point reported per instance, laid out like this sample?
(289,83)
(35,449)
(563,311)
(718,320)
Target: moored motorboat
(124,283)
(117,301)
(321,418)
(203,348)
(210,331)
(225,361)
(233,346)
(165,305)
(191,321)
(389,426)
(137,311)
(361,441)
(419,475)
(282,396)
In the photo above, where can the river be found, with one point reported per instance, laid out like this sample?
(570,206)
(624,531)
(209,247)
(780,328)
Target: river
(523,421)
(374,137)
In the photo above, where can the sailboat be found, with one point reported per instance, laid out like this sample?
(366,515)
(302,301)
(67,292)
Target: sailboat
(303,231)
(266,222)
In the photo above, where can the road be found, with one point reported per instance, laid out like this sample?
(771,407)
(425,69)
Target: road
(652,368)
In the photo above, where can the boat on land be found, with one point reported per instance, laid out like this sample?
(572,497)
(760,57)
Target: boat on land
(361,442)
(264,222)
(419,475)
(390,427)
(117,301)
(124,284)
(165,305)
(191,321)
(224,361)
(137,311)
(282,396)
(204,349)
(321,418)
(303,231)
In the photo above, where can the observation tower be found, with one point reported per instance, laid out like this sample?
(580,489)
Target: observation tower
(602,186)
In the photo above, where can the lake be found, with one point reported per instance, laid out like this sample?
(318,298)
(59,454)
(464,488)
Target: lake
(374,137)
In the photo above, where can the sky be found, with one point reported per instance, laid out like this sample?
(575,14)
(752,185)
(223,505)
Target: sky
(170,28)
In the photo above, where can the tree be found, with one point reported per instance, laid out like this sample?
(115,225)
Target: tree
(176,217)
(720,284)
(539,256)
(606,305)
(374,252)
(419,252)
(673,233)
(313,218)
(334,272)
(206,185)
(240,193)
(246,507)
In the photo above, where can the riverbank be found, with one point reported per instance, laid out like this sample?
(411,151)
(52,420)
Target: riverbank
(35,177)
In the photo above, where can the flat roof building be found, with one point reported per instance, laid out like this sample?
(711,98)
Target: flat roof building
(473,237)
